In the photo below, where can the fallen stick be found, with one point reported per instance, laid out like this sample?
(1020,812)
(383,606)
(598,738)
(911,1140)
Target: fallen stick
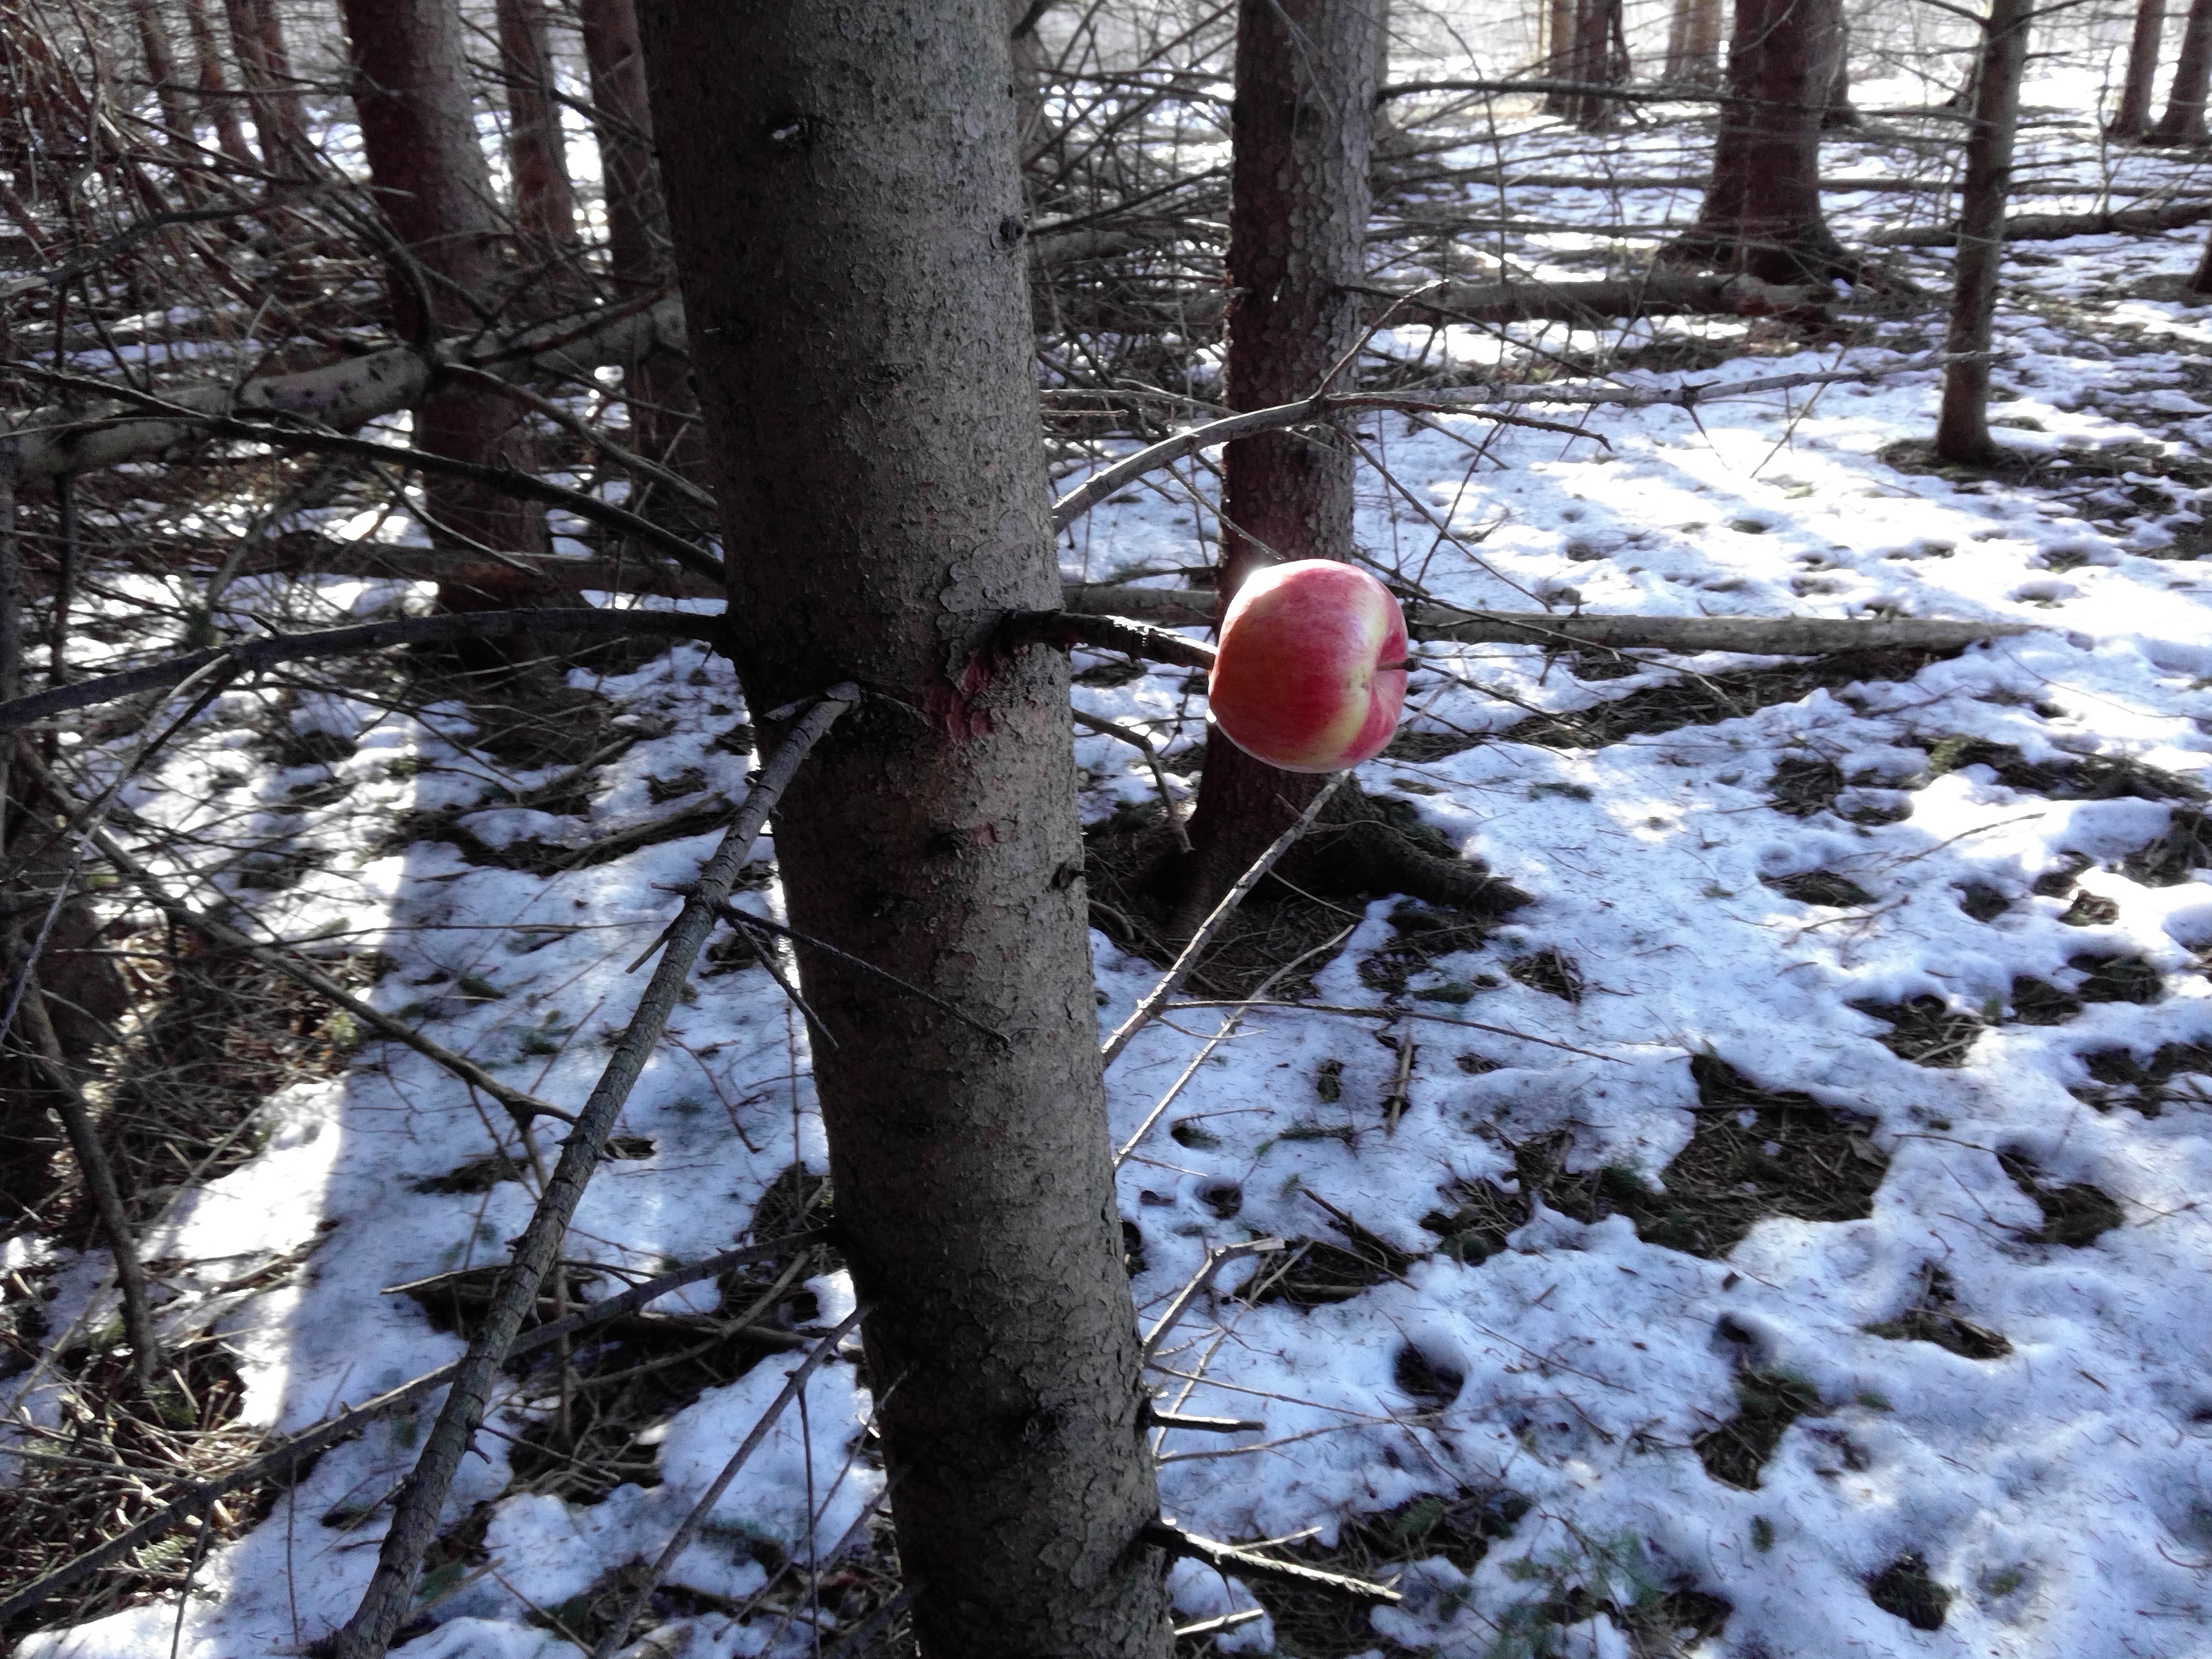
(2056,227)
(1226,1558)
(320,1436)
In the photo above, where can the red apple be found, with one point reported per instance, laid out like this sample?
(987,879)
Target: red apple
(1310,675)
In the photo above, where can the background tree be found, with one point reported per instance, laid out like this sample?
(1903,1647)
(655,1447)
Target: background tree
(1761,213)
(848,223)
(2132,119)
(1962,427)
(2184,120)
(265,60)
(544,206)
(431,183)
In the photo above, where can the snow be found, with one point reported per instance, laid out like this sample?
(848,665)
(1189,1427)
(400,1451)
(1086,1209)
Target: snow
(2062,1492)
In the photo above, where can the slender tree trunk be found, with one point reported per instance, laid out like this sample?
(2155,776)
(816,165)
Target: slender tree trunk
(1559,52)
(2184,120)
(418,128)
(1678,41)
(1836,78)
(1704,44)
(1596,22)
(663,412)
(1762,211)
(1962,428)
(1297,218)
(2133,117)
(846,220)
(1027,48)
(162,68)
(221,109)
(544,206)
(258,37)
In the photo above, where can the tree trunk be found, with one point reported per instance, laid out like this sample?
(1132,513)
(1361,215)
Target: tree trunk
(428,173)
(1596,23)
(162,68)
(1559,51)
(2184,120)
(847,216)
(1704,43)
(545,207)
(215,95)
(258,38)
(1027,48)
(1837,112)
(1962,428)
(1761,214)
(1678,41)
(2133,116)
(663,412)
(1298,217)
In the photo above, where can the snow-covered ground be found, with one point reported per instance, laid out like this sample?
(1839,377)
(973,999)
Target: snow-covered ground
(1721,1314)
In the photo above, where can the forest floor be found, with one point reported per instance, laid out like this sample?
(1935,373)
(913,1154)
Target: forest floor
(1783,1235)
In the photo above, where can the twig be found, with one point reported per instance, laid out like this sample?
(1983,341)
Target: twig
(1137,740)
(248,655)
(689,1529)
(1227,1559)
(857,1639)
(1396,1013)
(319,1437)
(1215,1261)
(76,1115)
(415,1516)
(521,1106)
(745,919)
(1172,981)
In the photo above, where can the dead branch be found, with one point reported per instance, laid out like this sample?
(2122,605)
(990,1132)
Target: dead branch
(1227,1559)
(252,655)
(77,438)
(2057,226)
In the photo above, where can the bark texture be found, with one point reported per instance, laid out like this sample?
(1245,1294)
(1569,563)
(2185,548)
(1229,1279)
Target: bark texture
(846,217)
(1761,214)
(544,206)
(207,60)
(418,128)
(1962,425)
(1297,218)
(2132,119)
(2184,120)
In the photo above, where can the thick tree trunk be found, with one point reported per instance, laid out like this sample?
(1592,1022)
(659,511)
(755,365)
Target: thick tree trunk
(215,103)
(418,128)
(1595,63)
(847,215)
(1962,428)
(2184,120)
(258,36)
(2133,117)
(544,206)
(1297,218)
(1761,214)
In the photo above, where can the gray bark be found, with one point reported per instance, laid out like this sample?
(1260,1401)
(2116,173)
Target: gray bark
(847,218)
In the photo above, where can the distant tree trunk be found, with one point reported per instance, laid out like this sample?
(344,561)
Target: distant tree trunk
(1678,41)
(418,128)
(221,109)
(1597,24)
(2133,117)
(663,412)
(1559,52)
(1761,214)
(846,219)
(1027,48)
(162,68)
(1298,200)
(1836,78)
(1962,428)
(544,206)
(1704,45)
(258,37)
(2184,120)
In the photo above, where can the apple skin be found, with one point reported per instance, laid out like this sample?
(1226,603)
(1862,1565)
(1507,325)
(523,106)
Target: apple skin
(1298,680)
